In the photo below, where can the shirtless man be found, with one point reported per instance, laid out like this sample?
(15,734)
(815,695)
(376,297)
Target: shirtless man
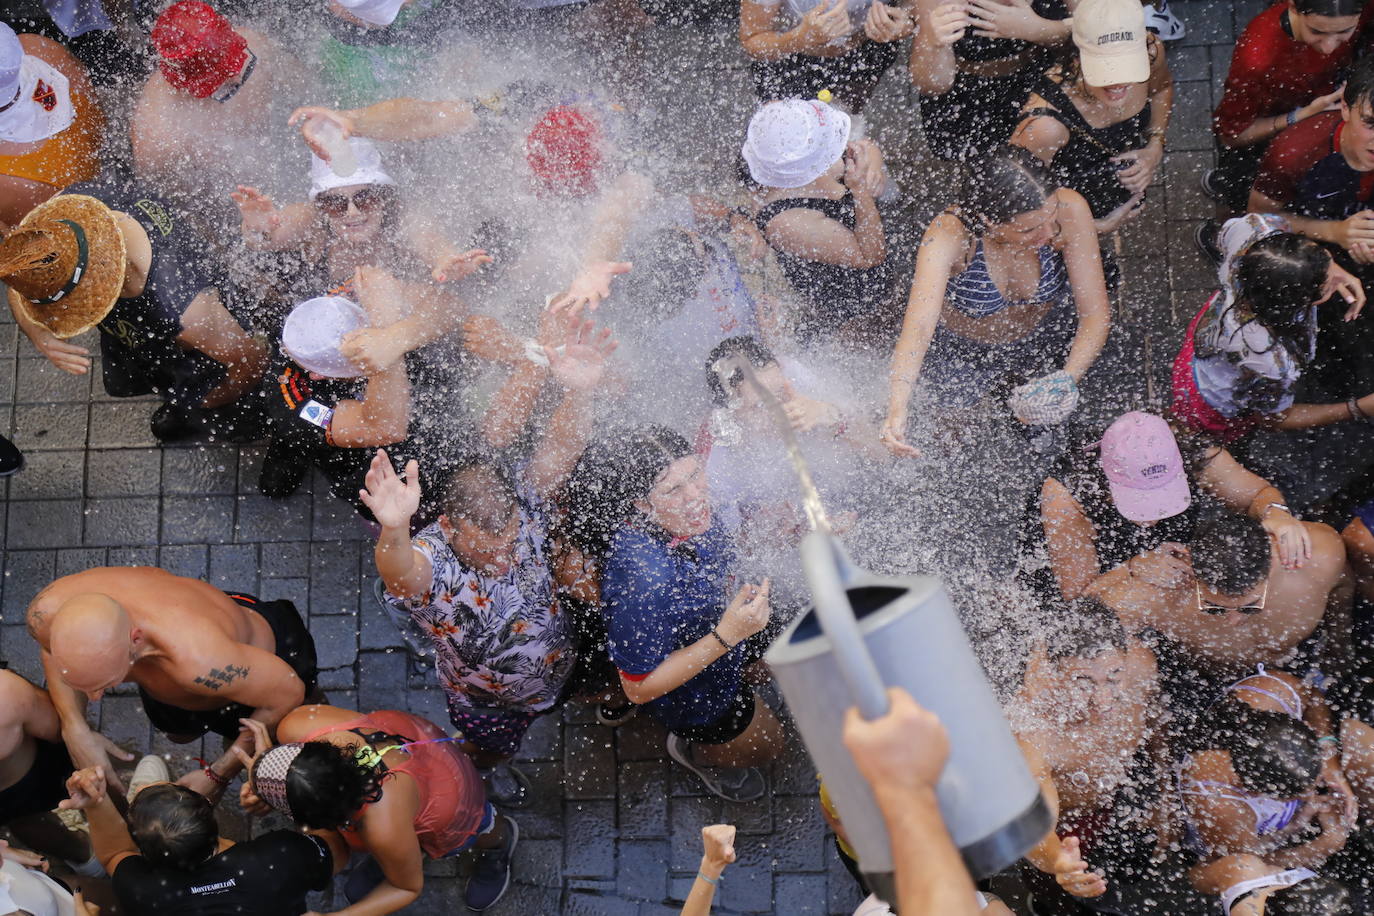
(202,659)
(34,767)
(1233,604)
(1085,717)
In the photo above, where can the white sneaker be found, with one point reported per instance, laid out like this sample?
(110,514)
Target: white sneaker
(1162,22)
(151,769)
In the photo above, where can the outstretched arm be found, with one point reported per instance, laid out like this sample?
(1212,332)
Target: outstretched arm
(208,327)
(579,369)
(1083,259)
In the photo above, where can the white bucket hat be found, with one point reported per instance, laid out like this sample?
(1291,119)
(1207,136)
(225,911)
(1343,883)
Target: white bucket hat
(369,170)
(35,97)
(374,12)
(314,331)
(792,143)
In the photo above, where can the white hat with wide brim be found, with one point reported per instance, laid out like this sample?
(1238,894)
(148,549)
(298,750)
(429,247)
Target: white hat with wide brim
(792,143)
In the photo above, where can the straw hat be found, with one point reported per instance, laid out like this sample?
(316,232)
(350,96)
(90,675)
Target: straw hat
(64,264)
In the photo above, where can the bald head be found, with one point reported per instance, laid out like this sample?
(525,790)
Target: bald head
(91,641)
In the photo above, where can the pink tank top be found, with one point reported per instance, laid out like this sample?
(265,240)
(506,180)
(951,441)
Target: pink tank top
(452,796)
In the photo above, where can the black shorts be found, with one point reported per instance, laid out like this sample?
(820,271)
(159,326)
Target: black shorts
(728,727)
(42,787)
(294,646)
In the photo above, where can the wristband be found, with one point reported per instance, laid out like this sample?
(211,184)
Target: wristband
(1353,406)
(1292,116)
(1277,506)
(221,781)
(1332,738)
(714,882)
(721,639)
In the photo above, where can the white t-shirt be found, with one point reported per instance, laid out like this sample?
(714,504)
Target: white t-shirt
(32,891)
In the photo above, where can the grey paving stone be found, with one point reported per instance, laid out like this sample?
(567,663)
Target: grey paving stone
(263,519)
(541,861)
(7,374)
(124,472)
(1188,267)
(687,817)
(796,844)
(748,885)
(121,522)
(588,761)
(598,905)
(755,817)
(643,799)
(641,738)
(333,679)
(334,577)
(543,817)
(286,560)
(336,640)
(43,523)
(26,573)
(40,382)
(9,341)
(842,891)
(381,678)
(378,632)
(429,703)
(543,740)
(78,560)
(19,650)
(197,519)
(1190,63)
(199,470)
(39,427)
(1186,198)
(588,844)
(297,591)
(132,556)
(123,424)
(641,875)
(1191,125)
(334,520)
(124,722)
(191,560)
(1206,24)
(49,475)
(800,894)
(520,900)
(234,567)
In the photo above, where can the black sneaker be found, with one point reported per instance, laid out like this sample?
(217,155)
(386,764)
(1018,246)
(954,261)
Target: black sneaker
(615,716)
(172,424)
(283,470)
(1208,182)
(507,785)
(491,876)
(742,784)
(1205,236)
(11,459)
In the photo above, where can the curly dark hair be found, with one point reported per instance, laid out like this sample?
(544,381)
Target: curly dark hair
(327,786)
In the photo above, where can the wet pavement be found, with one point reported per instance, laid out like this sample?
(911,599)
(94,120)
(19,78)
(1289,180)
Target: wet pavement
(614,827)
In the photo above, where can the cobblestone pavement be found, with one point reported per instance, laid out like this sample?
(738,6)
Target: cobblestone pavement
(615,827)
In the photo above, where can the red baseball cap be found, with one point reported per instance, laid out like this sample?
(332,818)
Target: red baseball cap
(197,47)
(564,152)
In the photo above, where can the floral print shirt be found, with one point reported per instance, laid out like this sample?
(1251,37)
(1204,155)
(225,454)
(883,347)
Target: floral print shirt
(500,642)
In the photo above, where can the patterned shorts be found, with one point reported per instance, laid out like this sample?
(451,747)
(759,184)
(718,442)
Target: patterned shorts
(496,731)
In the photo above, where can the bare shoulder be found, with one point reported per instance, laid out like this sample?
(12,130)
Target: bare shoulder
(306,720)
(1073,209)
(1328,549)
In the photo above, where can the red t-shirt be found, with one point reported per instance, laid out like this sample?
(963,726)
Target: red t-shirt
(1272,73)
(1304,171)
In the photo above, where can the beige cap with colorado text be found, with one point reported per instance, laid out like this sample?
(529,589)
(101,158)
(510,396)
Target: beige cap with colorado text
(1110,36)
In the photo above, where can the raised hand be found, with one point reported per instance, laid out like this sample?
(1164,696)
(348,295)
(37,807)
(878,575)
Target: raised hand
(581,362)
(718,844)
(863,168)
(257,213)
(311,118)
(1340,282)
(68,357)
(592,285)
(393,499)
(372,350)
(999,19)
(885,23)
(806,414)
(747,613)
(85,787)
(824,24)
(902,751)
(92,749)
(948,22)
(893,437)
(455,265)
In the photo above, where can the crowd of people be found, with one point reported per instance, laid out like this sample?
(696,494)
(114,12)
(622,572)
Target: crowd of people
(447,257)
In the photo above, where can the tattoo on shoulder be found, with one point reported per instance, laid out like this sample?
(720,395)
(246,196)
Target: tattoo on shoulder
(37,617)
(216,678)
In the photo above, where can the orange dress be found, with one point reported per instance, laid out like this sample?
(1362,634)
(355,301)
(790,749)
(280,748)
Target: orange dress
(452,796)
(67,157)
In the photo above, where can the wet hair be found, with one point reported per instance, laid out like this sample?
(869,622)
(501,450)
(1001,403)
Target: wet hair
(1317,896)
(668,270)
(1001,186)
(1359,84)
(480,492)
(610,476)
(1332,8)
(1231,553)
(326,786)
(1083,628)
(1272,753)
(748,347)
(1278,278)
(173,826)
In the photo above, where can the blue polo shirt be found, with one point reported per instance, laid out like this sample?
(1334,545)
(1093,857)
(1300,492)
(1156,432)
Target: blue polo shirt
(657,599)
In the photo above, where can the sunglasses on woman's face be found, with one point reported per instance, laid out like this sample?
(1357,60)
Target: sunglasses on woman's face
(365,199)
(1210,607)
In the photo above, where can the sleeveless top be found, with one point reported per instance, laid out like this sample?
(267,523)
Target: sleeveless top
(834,293)
(452,797)
(978,49)
(1085,162)
(973,292)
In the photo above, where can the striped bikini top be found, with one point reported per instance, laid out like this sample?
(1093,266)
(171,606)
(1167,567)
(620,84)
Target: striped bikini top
(973,292)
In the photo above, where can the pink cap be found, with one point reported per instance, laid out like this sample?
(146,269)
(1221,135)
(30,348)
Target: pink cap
(1144,469)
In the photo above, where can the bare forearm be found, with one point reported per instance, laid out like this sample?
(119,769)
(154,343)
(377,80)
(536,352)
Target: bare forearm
(868,231)
(109,833)
(676,670)
(511,406)
(386,403)
(931,877)
(411,119)
(1088,342)
(933,65)
(769,45)
(703,892)
(394,556)
(563,442)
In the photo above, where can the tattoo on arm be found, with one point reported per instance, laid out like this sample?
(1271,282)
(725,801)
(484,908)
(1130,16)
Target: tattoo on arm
(216,678)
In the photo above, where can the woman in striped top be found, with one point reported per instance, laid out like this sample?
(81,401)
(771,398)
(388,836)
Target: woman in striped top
(1008,287)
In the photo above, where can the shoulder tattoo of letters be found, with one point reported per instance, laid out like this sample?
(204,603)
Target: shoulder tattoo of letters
(216,678)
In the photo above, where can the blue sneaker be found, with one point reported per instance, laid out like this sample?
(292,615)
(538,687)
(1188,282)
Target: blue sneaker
(491,877)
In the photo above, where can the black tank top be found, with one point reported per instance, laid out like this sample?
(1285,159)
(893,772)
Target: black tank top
(833,293)
(1085,162)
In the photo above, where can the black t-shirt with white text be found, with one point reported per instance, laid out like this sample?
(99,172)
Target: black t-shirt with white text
(266,876)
